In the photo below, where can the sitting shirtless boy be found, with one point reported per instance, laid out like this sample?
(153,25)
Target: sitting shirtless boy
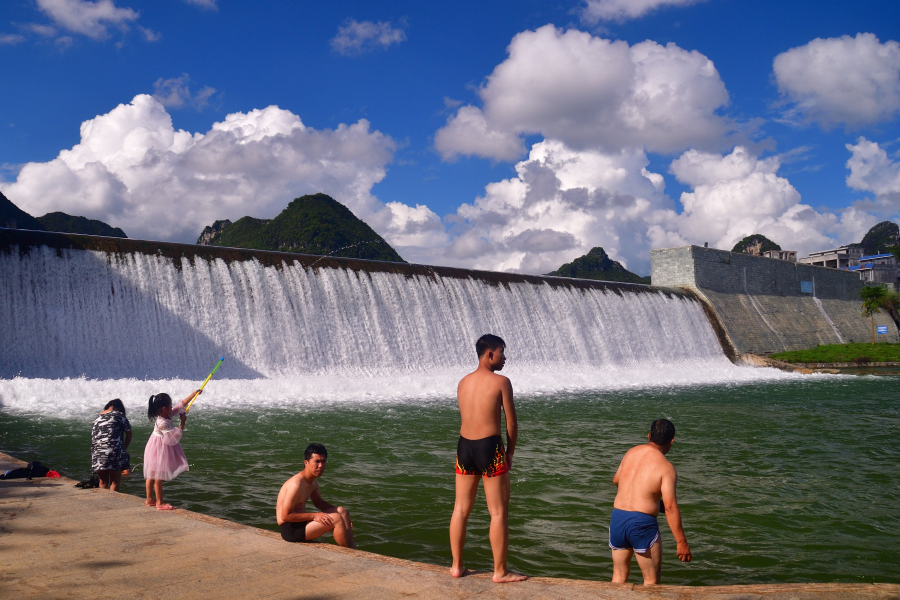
(296,524)
(646,482)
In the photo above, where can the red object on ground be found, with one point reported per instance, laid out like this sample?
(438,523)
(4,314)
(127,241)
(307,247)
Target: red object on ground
(51,474)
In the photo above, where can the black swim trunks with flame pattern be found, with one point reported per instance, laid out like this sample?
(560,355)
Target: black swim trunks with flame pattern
(485,457)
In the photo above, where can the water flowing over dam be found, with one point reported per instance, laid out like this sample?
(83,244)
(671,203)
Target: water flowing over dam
(104,308)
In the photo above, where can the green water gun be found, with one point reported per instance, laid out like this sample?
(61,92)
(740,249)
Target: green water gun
(219,364)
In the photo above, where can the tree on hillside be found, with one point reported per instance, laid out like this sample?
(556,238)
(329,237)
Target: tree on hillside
(881,237)
(755,244)
(13,217)
(895,250)
(312,224)
(596,264)
(873,297)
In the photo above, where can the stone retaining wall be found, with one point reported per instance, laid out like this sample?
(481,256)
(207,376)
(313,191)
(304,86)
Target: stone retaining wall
(768,305)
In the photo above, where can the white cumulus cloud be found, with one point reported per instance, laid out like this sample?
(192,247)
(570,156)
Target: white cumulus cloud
(210,4)
(601,106)
(358,37)
(872,170)
(92,19)
(737,195)
(590,92)
(176,93)
(702,168)
(565,201)
(468,133)
(414,228)
(562,203)
(149,34)
(133,170)
(44,30)
(851,81)
(11,38)
(622,10)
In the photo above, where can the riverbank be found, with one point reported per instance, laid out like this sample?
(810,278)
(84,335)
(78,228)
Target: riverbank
(845,355)
(832,368)
(59,541)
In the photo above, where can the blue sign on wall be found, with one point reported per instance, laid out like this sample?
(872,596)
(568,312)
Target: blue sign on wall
(882,329)
(806,287)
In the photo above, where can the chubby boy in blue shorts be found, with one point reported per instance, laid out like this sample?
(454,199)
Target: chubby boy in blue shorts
(646,482)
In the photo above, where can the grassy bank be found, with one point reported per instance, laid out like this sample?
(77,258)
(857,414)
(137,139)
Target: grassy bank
(843,353)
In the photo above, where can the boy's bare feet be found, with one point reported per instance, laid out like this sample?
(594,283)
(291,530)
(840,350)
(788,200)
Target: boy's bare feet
(509,577)
(461,572)
(150,503)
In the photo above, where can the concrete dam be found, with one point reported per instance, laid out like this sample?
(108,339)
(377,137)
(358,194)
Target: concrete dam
(110,308)
(766,305)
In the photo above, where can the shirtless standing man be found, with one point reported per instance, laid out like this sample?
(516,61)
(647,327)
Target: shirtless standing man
(646,482)
(296,524)
(480,455)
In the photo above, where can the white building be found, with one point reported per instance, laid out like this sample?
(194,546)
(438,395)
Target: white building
(837,258)
(788,255)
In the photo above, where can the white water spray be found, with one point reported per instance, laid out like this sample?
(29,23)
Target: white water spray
(328,333)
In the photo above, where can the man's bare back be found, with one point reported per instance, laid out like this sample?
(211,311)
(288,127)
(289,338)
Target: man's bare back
(481,455)
(646,481)
(640,479)
(481,395)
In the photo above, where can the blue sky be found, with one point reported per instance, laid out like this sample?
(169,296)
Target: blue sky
(501,135)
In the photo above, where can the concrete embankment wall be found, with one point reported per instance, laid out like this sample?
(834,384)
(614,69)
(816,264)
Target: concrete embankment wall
(764,304)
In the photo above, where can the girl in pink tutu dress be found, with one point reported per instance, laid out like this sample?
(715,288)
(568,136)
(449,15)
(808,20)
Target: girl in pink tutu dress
(163,457)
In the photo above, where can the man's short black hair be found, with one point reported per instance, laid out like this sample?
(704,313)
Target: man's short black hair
(662,432)
(487,342)
(315,449)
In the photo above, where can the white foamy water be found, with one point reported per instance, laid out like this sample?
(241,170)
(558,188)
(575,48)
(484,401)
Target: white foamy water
(81,327)
(70,398)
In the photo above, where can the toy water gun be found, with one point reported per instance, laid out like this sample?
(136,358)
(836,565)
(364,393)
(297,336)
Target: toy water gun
(213,372)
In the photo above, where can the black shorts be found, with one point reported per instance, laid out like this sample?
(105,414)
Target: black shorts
(294,532)
(485,457)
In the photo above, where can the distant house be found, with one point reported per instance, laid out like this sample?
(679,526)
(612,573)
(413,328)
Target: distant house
(878,259)
(837,258)
(788,255)
(878,268)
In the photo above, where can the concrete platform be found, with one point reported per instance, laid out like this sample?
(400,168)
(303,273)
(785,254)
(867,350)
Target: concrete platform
(57,541)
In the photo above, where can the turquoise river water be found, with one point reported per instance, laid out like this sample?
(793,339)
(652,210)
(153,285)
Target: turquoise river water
(790,480)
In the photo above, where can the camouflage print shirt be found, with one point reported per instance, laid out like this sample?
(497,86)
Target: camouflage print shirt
(108,442)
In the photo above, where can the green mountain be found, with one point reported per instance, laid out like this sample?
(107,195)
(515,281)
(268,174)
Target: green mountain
(312,224)
(13,217)
(60,221)
(755,244)
(881,238)
(597,265)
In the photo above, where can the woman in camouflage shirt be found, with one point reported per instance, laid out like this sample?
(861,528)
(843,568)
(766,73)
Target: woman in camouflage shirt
(110,437)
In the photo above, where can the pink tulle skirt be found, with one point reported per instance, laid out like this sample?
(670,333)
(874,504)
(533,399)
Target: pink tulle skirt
(163,462)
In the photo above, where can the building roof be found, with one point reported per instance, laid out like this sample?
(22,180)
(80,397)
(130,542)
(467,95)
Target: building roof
(838,250)
(874,256)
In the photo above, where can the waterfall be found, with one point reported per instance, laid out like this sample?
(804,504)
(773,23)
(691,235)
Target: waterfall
(99,315)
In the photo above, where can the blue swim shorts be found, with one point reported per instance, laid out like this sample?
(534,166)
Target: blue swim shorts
(631,530)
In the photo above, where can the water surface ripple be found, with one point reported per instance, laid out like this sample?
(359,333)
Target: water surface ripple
(785,481)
